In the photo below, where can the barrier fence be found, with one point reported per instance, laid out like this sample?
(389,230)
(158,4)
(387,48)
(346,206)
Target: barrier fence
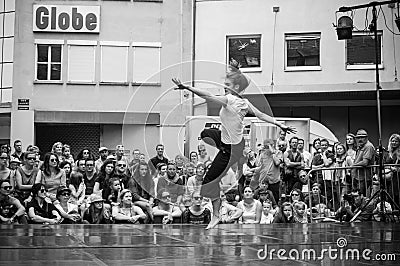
(329,189)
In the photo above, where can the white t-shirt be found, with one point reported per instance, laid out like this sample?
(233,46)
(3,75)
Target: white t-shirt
(232,116)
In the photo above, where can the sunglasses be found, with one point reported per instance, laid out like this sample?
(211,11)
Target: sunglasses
(167,196)
(53,160)
(89,165)
(65,194)
(42,190)
(7,187)
(121,165)
(295,194)
(31,158)
(198,198)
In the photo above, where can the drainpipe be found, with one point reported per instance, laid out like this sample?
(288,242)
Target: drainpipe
(193,49)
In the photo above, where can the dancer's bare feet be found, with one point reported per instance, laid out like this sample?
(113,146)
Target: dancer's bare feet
(214,221)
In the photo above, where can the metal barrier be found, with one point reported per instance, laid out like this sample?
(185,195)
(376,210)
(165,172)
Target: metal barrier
(327,187)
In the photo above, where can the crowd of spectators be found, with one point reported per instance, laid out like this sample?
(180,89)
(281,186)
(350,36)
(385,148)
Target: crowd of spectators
(280,182)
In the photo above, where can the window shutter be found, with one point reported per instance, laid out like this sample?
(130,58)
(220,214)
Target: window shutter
(146,65)
(114,60)
(81,63)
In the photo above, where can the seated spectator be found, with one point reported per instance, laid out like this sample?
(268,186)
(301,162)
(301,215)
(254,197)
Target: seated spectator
(180,161)
(194,182)
(102,180)
(161,172)
(300,212)
(196,214)
(229,181)
(285,214)
(5,172)
(14,163)
(203,156)
(172,183)
(51,176)
(228,213)
(303,177)
(77,187)
(194,158)
(12,210)
(354,202)
(251,208)
(66,155)
(262,193)
(97,213)
(67,167)
(69,211)
(114,192)
(315,196)
(267,215)
(25,177)
(296,196)
(125,211)
(40,211)
(166,209)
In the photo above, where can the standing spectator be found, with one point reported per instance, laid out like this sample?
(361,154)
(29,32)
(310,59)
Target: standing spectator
(342,160)
(120,155)
(194,182)
(15,209)
(365,155)
(103,151)
(194,158)
(135,161)
(393,157)
(306,155)
(97,213)
(248,170)
(294,162)
(159,158)
(203,156)
(66,154)
(17,150)
(51,176)
(25,177)
(171,183)
(196,214)
(251,208)
(271,161)
(39,210)
(351,146)
(329,184)
(281,138)
(57,148)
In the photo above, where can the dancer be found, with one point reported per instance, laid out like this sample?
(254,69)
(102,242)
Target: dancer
(229,140)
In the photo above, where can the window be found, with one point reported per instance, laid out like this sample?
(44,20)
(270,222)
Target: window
(302,52)
(48,61)
(360,51)
(114,62)
(246,50)
(146,63)
(81,61)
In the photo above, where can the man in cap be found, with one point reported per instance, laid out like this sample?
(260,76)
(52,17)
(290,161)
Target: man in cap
(362,177)
(103,151)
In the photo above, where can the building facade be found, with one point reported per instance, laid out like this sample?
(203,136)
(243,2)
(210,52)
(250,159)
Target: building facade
(299,68)
(98,73)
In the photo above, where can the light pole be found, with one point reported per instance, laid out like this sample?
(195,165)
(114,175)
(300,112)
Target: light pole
(344,30)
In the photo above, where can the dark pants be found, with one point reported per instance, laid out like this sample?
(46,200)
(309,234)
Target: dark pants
(225,158)
(275,189)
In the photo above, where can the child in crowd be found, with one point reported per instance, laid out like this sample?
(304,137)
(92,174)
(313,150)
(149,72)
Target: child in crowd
(267,215)
(300,214)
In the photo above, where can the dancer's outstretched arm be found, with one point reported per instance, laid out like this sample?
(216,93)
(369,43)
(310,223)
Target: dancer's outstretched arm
(266,118)
(206,95)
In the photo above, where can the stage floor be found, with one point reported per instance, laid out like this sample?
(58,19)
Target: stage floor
(233,244)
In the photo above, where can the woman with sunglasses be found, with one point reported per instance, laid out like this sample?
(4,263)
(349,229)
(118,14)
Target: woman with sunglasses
(15,209)
(229,140)
(51,176)
(165,209)
(68,210)
(196,214)
(25,176)
(39,210)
